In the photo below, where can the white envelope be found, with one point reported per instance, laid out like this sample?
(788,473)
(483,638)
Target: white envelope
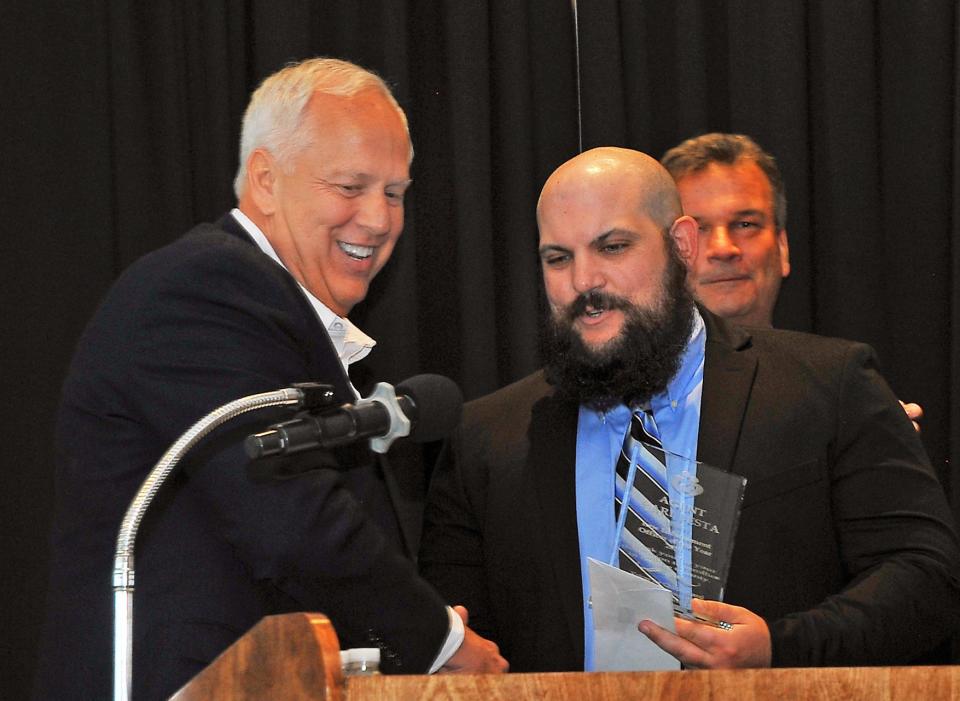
(621,600)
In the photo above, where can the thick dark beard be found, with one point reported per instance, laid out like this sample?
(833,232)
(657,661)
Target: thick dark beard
(636,364)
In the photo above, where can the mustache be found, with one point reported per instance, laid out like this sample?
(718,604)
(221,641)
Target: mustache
(596,300)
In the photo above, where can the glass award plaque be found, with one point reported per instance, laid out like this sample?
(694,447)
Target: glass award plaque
(679,530)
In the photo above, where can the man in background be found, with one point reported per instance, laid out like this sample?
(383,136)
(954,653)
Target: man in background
(253,303)
(735,192)
(846,552)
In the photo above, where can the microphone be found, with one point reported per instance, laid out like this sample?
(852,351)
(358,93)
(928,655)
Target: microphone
(425,407)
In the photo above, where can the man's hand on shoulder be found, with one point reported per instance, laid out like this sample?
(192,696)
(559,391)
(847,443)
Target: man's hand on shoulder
(476,655)
(702,646)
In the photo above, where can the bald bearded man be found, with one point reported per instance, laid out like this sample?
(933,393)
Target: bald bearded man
(846,552)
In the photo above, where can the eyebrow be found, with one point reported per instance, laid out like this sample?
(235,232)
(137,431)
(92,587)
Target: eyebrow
(602,238)
(367,177)
(740,213)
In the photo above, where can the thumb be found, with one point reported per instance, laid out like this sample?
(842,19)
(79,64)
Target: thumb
(463,613)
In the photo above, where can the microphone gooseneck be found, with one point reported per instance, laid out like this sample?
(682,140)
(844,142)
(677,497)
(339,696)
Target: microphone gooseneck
(425,407)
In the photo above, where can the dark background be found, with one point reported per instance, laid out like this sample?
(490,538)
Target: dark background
(119,125)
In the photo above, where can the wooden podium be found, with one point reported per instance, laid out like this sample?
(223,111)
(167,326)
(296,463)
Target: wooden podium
(297,656)
(293,656)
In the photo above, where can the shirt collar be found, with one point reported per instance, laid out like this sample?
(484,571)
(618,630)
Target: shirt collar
(691,367)
(350,342)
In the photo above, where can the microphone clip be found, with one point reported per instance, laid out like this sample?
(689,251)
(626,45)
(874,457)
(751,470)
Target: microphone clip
(315,397)
(400,425)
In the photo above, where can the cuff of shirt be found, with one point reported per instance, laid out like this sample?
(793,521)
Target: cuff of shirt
(452,643)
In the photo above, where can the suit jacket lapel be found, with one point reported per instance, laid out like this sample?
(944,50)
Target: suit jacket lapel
(327,367)
(229,224)
(728,376)
(553,440)
(328,364)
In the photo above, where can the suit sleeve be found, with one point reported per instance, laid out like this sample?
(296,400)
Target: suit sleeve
(896,536)
(219,332)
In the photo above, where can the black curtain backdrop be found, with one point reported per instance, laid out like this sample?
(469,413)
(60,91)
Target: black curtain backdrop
(120,125)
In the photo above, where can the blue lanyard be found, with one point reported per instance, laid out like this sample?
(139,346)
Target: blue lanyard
(681,520)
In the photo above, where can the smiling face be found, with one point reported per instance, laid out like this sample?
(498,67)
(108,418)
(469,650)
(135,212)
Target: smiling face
(742,255)
(334,212)
(598,234)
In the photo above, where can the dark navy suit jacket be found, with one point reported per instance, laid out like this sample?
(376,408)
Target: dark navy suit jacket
(201,322)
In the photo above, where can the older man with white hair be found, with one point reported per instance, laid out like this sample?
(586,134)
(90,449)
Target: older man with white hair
(255,302)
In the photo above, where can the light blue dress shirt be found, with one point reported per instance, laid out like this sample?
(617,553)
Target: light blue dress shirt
(599,439)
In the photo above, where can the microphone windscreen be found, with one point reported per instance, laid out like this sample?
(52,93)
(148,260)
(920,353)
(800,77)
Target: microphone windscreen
(439,404)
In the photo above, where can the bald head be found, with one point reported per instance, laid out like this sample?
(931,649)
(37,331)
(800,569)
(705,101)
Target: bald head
(608,175)
(610,224)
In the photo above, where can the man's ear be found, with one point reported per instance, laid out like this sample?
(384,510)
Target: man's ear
(262,170)
(784,245)
(684,232)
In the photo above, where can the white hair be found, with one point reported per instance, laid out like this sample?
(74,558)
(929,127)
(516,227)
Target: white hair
(274,118)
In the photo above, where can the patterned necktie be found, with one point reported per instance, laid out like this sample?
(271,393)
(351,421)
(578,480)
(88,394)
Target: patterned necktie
(645,545)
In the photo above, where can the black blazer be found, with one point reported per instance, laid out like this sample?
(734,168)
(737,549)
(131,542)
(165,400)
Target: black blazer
(845,546)
(201,322)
